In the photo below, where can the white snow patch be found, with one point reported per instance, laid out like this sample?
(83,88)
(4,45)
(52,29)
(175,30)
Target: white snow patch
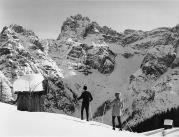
(18,123)
(70,41)
(174,132)
(103,44)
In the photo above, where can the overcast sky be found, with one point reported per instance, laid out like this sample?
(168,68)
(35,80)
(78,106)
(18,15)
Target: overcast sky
(45,17)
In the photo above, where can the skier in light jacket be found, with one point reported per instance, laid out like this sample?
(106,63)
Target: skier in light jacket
(117,106)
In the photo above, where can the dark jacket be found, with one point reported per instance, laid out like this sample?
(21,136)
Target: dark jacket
(86,96)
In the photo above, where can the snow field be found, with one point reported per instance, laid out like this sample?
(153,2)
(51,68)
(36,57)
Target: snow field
(17,123)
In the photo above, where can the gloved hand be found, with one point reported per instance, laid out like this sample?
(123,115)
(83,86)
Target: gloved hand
(75,96)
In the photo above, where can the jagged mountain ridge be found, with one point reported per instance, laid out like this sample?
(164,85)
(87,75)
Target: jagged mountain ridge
(105,60)
(22,53)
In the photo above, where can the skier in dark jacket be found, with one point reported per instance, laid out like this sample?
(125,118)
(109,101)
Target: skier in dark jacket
(87,98)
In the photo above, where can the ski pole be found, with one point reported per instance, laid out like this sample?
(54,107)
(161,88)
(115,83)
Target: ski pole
(90,112)
(103,112)
(128,126)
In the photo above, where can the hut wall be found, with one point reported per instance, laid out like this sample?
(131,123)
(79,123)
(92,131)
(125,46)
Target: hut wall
(22,103)
(29,101)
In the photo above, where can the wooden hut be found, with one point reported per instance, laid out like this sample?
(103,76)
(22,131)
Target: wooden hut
(27,101)
(30,90)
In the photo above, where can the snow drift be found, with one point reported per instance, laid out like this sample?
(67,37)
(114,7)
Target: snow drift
(17,123)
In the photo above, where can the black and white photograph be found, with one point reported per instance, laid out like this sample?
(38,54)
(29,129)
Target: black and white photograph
(89,68)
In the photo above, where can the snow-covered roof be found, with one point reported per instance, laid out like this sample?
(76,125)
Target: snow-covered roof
(29,83)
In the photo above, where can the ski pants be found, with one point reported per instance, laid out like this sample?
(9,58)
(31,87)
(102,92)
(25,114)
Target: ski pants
(113,121)
(86,107)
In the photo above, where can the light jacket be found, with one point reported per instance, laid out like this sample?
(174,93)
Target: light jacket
(117,106)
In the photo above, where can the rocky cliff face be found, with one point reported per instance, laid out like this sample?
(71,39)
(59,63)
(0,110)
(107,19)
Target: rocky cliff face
(143,65)
(83,56)
(82,42)
(150,87)
(23,53)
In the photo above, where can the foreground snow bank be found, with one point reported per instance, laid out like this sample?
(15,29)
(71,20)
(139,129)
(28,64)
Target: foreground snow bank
(174,132)
(17,123)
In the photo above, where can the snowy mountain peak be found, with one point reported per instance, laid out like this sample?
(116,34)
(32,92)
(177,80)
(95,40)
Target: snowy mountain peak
(142,65)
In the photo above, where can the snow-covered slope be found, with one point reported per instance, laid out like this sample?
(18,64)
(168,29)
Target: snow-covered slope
(173,132)
(17,123)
